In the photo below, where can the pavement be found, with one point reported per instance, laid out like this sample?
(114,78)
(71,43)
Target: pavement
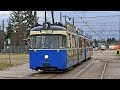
(17,72)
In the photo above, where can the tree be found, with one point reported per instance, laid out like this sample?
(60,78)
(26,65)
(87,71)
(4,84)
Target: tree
(9,30)
(108,40)
(96,42)
(113,40)
(21,22)
(30,18)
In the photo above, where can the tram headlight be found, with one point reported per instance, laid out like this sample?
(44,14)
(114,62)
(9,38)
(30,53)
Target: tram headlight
(46,56)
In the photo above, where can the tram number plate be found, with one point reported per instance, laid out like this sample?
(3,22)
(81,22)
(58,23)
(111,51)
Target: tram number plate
(46,64)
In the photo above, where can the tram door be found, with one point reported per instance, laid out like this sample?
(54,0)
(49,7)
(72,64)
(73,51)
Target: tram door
(85,49)
(81,52)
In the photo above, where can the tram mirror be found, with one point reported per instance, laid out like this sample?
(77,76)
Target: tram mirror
(27,41)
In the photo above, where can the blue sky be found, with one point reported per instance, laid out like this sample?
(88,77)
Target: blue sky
(107,26)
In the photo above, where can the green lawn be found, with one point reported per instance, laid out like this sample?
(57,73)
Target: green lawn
(5,65)
(16,59)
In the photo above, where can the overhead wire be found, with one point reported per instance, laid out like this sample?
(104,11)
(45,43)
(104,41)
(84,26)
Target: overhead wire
(87,24)
(105,24)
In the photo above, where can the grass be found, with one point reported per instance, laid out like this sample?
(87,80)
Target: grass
(16,59)
(4,66)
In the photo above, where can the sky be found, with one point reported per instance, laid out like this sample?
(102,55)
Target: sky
(99,24)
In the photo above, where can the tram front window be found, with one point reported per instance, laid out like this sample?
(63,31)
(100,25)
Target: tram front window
(48,42)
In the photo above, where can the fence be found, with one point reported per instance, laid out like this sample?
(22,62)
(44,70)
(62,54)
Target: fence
(14,49)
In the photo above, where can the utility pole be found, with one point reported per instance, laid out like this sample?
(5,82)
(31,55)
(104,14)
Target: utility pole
(73,21)
(35,17)
(60,17)
(3,25)
(65,19)
(52,17)
(45,16)
(119,30)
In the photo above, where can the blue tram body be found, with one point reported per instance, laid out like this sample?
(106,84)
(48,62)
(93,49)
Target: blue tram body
(57,59)
(68,48)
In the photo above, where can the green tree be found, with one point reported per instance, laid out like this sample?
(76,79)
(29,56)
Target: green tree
(21,21)
(30,18)
(113,40)
(96,42)
(9,30)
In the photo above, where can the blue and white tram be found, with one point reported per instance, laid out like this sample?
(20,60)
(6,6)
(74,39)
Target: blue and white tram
(57,48)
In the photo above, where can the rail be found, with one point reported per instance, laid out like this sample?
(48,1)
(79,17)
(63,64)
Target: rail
(83,70)
(103,72)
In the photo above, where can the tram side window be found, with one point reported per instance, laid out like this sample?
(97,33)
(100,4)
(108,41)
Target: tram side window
(87,43)
(84,42)
(69,40)
(76,44)
(62,42)
(74,41)
(80,42)
(91,43)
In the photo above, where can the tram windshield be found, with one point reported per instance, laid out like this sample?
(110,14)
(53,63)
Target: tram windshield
(48,41)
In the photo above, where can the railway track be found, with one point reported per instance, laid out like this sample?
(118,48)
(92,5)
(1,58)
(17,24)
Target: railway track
(83,70)
(55,75)
(52,77)
(43,75)
(104,69)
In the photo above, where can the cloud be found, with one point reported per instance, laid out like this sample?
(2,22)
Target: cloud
(114,12)
(112,23)
(4,13)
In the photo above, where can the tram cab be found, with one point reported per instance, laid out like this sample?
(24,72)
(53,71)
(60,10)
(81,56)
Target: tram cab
(48,47)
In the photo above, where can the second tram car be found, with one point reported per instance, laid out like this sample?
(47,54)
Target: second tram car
(54,47)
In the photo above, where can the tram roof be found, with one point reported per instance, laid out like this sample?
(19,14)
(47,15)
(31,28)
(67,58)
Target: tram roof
(52,27)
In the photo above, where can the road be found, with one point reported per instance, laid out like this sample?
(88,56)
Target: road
(91,69)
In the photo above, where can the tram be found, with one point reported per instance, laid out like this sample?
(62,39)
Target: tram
(58,47)
(55,47)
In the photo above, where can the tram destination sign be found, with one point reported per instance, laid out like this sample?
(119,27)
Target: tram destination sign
(46,31)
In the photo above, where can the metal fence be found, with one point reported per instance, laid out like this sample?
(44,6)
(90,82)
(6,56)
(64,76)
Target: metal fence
(14,49)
